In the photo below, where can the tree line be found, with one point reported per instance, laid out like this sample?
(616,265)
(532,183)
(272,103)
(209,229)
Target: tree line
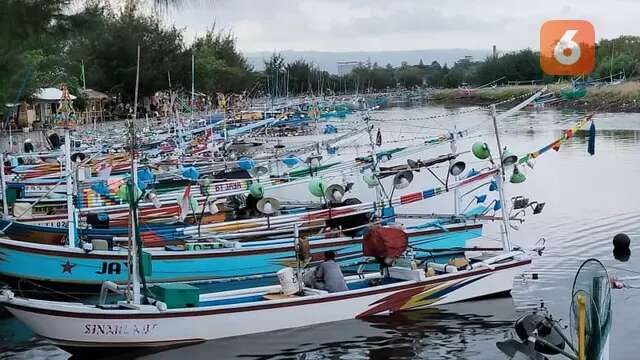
(45,43)
(49,42)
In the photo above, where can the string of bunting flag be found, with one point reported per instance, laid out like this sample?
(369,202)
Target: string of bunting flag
(567,134)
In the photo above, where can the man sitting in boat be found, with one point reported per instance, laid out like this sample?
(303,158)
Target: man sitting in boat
(329,274)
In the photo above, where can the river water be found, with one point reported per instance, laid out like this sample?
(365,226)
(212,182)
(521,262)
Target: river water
(588,200)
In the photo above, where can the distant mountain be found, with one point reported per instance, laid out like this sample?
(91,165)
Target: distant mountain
(327,60)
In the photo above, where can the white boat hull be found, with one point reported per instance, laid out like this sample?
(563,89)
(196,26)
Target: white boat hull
(78,325)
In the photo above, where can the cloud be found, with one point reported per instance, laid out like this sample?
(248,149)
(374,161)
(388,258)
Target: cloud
(342,25)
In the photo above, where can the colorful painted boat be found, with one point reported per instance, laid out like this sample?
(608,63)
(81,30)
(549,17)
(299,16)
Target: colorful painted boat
(77,327)
(62,266)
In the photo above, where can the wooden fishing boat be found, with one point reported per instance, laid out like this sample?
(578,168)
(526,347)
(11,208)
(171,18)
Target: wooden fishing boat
(76,327)
(63,266)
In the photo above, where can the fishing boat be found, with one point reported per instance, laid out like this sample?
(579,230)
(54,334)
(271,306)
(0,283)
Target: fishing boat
(224,254)
(65,267)
(217,251)
(170,315)
(74,326)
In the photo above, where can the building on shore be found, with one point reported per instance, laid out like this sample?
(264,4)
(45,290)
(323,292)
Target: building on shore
(43,106)
(94,106)
(346,67)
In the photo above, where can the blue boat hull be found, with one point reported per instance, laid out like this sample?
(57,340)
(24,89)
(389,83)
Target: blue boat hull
(67,266)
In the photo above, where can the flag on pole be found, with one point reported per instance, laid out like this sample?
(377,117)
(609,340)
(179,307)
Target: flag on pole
(84,80)
(185,202)
(591,145)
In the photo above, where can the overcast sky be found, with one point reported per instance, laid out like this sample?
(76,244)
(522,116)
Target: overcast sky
(368,25)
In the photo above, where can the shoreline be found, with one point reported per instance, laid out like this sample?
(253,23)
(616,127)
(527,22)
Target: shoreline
(624,97)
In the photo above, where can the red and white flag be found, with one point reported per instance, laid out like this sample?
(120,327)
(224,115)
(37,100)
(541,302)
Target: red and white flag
(185,203)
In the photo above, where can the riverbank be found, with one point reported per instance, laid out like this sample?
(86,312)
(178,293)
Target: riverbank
(624,97)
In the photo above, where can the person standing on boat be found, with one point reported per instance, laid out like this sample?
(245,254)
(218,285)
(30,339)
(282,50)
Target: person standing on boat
(330,275)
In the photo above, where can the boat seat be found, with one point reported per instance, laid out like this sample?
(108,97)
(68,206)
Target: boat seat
(99,244)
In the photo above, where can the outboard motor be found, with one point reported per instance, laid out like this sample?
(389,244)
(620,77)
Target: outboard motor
(531,324)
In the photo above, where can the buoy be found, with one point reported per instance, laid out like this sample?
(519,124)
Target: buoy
(621,242)
(621,255)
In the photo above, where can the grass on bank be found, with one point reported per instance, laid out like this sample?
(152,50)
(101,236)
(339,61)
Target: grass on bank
(624,95)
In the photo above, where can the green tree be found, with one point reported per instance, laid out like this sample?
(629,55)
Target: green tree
(219,66)
(30,44)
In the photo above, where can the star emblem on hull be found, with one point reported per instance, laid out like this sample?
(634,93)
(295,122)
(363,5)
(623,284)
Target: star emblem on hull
(66,267)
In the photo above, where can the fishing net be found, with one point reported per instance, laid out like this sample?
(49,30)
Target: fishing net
(592,281)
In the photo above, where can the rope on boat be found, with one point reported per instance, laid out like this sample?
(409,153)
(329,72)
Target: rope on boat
(48,290)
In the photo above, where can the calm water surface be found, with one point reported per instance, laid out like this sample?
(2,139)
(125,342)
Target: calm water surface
(589,199)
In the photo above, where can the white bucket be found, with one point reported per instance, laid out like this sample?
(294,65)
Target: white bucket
(288,281)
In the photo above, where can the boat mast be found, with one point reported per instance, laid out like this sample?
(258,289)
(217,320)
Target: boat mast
(134,262)
(193,85)
(71,225)
(454,151)
(298,253)
(316,116)
(506,239)
(3,185)
(374,160)
(65,110)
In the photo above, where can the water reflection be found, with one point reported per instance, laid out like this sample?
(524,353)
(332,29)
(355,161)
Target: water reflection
(452,332)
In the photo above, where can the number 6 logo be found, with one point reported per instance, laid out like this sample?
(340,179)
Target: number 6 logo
(567,47)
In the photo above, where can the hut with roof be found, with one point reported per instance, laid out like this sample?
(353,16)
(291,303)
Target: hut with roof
(95,102)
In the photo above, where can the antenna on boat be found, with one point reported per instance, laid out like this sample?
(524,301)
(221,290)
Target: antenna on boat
(500,184)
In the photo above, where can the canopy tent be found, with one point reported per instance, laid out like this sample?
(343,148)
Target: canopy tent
(49,95)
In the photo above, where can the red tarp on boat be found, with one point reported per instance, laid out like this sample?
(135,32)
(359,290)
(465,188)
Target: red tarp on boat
(383,242)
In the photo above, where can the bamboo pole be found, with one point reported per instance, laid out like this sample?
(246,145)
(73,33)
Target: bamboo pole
(133,245)
(500,181)
(3,185)
(582,314)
